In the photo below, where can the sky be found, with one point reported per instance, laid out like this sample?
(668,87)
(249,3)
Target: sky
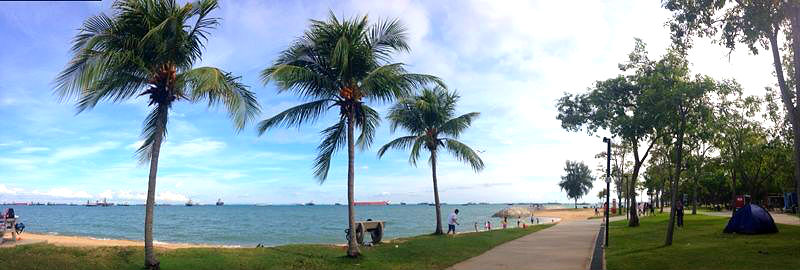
(509,60)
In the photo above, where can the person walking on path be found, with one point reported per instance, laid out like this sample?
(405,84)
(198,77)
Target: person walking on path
(452,222)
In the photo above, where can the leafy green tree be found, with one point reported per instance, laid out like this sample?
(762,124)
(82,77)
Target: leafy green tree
(758,25)
(578,180)
(342,65)
(623,106)
(148,48)
(430,120)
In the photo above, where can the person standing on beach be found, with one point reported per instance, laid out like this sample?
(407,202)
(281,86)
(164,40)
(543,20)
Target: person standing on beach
(452,222)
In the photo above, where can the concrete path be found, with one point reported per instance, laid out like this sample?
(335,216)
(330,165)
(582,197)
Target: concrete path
(567,245)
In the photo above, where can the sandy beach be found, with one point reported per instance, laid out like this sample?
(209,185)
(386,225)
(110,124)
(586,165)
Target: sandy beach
(83,241)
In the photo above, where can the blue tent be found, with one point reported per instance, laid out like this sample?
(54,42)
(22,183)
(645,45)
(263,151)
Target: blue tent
(751,219)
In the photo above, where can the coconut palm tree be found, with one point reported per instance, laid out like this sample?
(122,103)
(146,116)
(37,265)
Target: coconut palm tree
(343,65)
(428,118)
(148,48)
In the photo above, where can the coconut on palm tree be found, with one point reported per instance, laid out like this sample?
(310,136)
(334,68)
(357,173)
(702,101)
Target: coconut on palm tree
(432,125)
(342,65)
(149,48)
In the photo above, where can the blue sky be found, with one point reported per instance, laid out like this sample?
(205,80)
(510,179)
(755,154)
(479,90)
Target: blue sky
(509,60)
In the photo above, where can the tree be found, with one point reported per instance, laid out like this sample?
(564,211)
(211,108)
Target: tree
(578,180)
(148,48)
(758,25)
(429,117)
(623,106)
(602,194)
(342,64)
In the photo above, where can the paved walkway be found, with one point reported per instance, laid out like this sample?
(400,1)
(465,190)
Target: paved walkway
(567,245)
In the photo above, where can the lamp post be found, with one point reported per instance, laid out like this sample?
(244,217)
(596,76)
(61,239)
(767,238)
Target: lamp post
(608,183)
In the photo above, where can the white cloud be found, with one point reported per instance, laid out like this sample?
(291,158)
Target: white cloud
(64,193)
(9,190)
(72,152)
(27,150)
(171,196)
(193,148)
(108,194)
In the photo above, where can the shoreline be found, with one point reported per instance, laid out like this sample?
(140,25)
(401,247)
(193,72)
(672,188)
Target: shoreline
(89,241)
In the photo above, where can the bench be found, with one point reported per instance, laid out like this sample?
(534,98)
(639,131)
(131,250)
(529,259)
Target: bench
(374,228)
(8,224)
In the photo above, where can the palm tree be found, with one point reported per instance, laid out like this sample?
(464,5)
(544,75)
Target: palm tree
(342,64)
(148,48)
(428,117)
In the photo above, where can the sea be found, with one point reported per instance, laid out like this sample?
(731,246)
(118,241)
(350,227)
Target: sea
(245,225)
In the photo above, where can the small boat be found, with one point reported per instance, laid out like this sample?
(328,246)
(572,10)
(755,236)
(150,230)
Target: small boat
(337,203)
(310,204)
(90,204)
(220,202)
(372,203)
(402,203)
(123,204)
(430,204)
(190,203)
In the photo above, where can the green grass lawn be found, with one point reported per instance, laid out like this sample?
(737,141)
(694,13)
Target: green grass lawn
(700,244)
(420,252)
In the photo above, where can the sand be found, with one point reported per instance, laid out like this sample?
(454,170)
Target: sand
(567,214)
(82,241)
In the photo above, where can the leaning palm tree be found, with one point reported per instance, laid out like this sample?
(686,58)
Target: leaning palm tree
(428,118)
(342,64)
(148,48)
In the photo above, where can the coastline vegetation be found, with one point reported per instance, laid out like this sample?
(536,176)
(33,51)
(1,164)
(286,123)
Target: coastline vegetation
(418,252)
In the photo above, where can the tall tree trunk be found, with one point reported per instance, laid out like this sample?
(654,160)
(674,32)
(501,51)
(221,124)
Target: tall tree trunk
(352,246)
(694,192)
(791,109)
(678,162)
(733,192)
(634,219)
(436,195)
(150,261)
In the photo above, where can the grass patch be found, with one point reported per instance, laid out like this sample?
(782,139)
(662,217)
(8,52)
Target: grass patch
(700,244)
(420,252)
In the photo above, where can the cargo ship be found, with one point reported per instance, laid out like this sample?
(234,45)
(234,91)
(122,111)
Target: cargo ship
(372,203)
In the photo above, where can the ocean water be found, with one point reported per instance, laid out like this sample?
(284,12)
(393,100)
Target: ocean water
(244,225)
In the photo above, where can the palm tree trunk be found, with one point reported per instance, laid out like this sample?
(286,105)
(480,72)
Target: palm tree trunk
(150,261)
(352,246)
(436,194)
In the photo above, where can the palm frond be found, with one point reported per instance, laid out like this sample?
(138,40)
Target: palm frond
(401,143)
(296,116)
(367,119)
(155,125)
(415,151)
(464,153)
(304,81)
(455,126)
(220,87)
(388,37)
(334,138)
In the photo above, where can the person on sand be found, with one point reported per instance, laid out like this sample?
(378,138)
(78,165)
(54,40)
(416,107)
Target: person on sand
(452,222)
(595,211)
(505,222)
(488,225)
(518,226)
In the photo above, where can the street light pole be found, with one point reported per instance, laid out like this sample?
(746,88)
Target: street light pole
(608,184)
